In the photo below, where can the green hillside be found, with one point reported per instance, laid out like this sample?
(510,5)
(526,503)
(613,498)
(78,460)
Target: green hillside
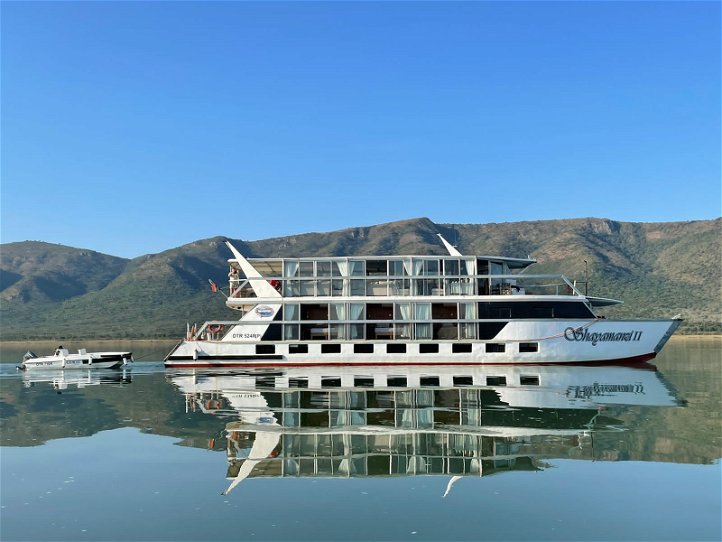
(57,292)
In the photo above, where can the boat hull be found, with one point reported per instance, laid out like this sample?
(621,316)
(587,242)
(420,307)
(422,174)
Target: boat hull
(519,343)
(105,360)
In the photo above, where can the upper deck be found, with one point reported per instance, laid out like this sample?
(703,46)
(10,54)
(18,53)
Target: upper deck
(395,276)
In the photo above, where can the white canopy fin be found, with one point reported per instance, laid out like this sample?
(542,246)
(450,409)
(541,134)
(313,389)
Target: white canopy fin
(449,246)
(258,283)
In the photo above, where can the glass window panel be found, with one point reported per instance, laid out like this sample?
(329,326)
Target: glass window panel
(290,268)
(431,267)
(290,311)
(357,311)
(290,332)
(423,331)
(338,311)
(396,268)
(423,311)
(324,287)
(357,268)
(356,331)
(403,311)
(467,311)
(306,269)
(451,267)
(358,287)
(323,269)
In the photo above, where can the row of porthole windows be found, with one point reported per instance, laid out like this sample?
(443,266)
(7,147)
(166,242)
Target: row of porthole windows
(397,348)
(424,381)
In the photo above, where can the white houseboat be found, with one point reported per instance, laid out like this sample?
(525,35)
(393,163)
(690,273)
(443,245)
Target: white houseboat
(413,310)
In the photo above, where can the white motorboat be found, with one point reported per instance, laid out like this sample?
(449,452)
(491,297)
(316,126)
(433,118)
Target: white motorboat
(411,310)
(63,359)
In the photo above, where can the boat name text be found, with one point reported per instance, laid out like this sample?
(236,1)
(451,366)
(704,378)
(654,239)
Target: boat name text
(583,335)
(246,335)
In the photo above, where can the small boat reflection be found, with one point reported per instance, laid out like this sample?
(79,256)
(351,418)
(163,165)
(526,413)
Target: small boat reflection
(377,421)
(63,380)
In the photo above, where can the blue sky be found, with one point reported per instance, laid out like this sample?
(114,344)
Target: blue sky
(130,128)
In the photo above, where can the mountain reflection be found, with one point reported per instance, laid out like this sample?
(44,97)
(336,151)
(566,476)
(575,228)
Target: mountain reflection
(411,421)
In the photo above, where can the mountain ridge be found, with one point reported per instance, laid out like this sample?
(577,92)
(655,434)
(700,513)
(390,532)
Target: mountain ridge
(54,291)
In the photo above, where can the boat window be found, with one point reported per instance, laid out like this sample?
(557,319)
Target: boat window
(446,331)
(357,268)
(396,268)
(496,381)
(363,382)
(403,311)
(431,381)
(338,311)
(431,267)
(314,311)
(467,311)
(495,347)
(291,311)
(380,311)
(423,331)
(423,311)
(323,269)
(265,349)
(290,268)
(528,347)
(463,381)
(451,267)
(444,311)
(461,348)
(395,348)
(330,382)
(298,349)
(290,332)
(528,380)
(306,269)
(330,348)
(298,383)
(356,331)
(426,348)
(376,267)
(396,382)
(534,309)
(363,348)
(467,331)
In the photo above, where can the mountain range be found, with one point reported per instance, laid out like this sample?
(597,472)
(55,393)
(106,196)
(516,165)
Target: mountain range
(59,292)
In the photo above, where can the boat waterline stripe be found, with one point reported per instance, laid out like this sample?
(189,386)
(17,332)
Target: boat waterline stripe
(239,362)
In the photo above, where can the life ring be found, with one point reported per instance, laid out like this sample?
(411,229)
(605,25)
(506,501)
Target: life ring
(215,329)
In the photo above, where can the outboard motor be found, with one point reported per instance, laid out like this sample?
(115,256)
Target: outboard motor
(28,355)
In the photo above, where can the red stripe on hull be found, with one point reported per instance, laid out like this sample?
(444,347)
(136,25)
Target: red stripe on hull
(208,364)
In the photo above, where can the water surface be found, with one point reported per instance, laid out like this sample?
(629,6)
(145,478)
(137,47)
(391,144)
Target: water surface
(581,453)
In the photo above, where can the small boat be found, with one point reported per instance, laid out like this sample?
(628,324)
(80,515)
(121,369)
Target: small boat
(63,359)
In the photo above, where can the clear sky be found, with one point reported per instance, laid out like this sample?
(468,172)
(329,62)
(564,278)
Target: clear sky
(133,127)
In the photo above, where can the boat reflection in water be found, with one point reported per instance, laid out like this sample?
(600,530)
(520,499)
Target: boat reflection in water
(78,378)
(409,421)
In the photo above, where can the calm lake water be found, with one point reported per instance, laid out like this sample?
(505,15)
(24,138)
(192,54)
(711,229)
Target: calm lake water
(539,453)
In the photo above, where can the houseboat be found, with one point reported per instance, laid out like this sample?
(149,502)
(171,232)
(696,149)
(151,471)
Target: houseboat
(413,310)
